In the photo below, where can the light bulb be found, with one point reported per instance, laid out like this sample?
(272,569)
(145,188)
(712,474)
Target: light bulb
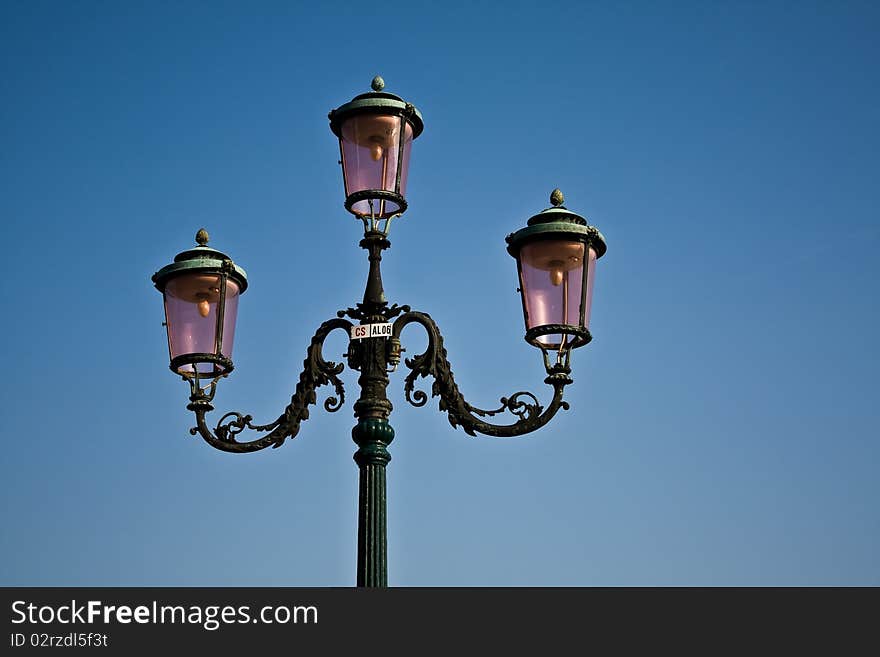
(376,151)
(557,271)
(204,308)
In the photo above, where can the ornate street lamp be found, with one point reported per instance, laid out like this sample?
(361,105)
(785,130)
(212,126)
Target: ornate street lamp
(375,131)
(556,255)
(556,258)
(201,289)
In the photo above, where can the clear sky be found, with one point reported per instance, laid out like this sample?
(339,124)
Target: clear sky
(724,421)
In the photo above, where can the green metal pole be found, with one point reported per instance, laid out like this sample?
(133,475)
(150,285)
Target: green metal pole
(372,436)
(373,433)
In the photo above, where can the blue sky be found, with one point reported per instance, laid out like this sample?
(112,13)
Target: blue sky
(724,421)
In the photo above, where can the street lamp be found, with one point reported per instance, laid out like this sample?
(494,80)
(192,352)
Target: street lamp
(375,131)
(556,257)
(201,289)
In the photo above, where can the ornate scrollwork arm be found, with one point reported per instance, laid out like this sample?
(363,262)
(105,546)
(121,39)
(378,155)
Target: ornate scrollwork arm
(316,373)
(434,362)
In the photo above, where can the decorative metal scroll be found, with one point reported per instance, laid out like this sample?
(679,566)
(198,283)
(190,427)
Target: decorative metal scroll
(434,362)
(316,372)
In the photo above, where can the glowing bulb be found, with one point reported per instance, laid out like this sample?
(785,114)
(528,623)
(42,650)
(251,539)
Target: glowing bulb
(204,308)
(557,271)
(376,151)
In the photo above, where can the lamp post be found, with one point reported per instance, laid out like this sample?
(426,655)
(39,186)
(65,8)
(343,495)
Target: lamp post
(556,256)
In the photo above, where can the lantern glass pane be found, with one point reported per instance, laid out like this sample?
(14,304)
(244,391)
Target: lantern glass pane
(191,303)
(552,276)
(370,147)
(591,277)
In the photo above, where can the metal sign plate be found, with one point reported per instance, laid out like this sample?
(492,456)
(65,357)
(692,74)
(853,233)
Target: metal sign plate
(361,331)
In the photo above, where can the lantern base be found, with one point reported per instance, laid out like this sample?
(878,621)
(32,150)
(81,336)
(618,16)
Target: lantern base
(579,335)
(220,366)
(380,208)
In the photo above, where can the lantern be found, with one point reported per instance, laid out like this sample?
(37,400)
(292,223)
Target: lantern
(201,289)
(375,131)
(556,260)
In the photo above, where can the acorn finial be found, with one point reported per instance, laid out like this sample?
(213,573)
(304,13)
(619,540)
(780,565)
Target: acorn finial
(202,237)
(556,198)
(378,83)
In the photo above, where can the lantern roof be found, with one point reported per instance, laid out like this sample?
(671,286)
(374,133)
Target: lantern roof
(557,222)
(201,258)
(376,101)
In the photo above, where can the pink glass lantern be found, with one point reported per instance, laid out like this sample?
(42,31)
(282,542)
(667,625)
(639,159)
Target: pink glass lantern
(192,314)
(552,280)
(201,290)
(375,131)
(556,260)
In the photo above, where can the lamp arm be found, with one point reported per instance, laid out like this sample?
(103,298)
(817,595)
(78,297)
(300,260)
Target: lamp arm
(316,373)
(434,362)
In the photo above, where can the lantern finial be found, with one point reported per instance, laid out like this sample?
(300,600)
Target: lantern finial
(202,237)
(556,198)
(378,83)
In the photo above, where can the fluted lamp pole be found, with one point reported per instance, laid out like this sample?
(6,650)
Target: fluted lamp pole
(556,256)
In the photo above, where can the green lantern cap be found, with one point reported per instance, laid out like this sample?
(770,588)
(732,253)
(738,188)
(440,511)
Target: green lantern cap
(557,222)
(200,258)
(376,102)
